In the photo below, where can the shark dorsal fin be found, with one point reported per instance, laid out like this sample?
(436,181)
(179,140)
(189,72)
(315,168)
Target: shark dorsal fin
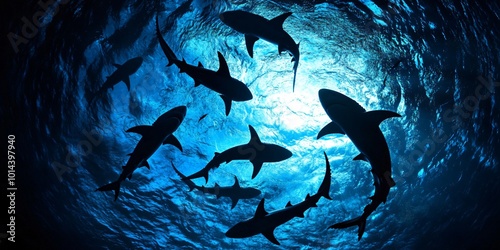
(289,204)
(308,196)
(116,65)
(254,137)
(200,65)
(279,20)
(260,212)
(141,129)
(216,154)
(236,182)
(378,116)
(223,69)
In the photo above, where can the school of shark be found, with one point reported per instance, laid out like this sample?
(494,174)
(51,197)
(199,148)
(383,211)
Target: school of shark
(348,118)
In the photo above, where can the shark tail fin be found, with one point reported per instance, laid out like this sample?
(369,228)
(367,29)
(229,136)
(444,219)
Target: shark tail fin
(359,221)
(199,174)
(324,188)
(164,46)
(111,186)
(295,66)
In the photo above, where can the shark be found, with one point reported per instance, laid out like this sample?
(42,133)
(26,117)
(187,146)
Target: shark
(121,74)
(234,192)
(254,151)
(256,27)
(265,223)
(160,132)
(362,128)
(220,81)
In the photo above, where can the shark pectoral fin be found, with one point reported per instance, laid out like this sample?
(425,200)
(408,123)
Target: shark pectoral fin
(300,215)
(116,65)
(361,157)
(257,165)
(172,140)
(378,116)
(227,103)
(331,128)
(278,21)
(145,164)
(141,129)
(270,236)
(223,68)
(260,212)
(126,80)
(234,201)
(250,41)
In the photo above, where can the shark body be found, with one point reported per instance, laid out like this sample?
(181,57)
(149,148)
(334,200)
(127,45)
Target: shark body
(234,192)
(220,81)
(152,138)
(256,27)
(265,223)
(362,127)
(254,151)
(121,74)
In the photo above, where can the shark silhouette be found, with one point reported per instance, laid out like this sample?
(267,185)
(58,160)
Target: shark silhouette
(255,27)
(255,151)
(234,192)
(220,81)
(121,74)
(264,223)
(362,127)
(152,138)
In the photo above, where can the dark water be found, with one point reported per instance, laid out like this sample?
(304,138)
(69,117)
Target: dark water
(444,149)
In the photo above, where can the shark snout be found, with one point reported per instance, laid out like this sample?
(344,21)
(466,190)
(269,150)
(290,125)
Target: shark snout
(179,112)
(324,96)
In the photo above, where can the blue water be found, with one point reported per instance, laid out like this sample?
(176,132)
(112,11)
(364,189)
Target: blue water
(444,149)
